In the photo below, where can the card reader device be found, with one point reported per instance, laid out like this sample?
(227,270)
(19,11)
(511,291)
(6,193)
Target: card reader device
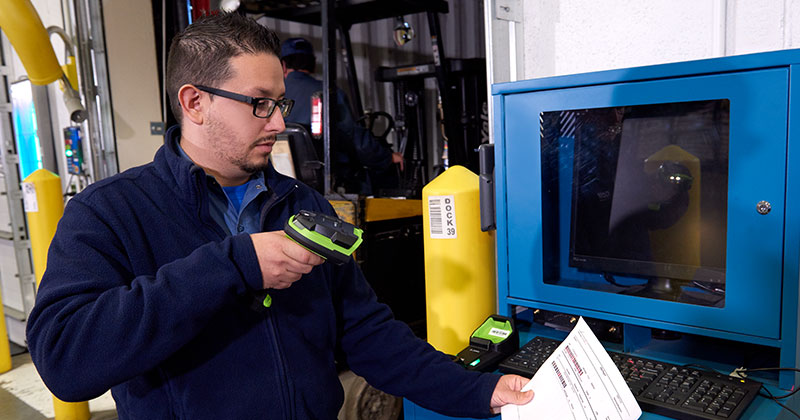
(489,344)
(329,237)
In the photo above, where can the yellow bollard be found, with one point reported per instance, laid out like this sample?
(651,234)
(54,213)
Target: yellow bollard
(5,348)
(71,410)
(44,206)
(460,284)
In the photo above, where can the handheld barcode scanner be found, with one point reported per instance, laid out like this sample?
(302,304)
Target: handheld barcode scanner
(329,237)
(492,342)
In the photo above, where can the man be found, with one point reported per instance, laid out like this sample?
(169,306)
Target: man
(152,273)
(353,147)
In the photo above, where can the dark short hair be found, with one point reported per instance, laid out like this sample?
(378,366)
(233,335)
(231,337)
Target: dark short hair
(300,62)
(201,53)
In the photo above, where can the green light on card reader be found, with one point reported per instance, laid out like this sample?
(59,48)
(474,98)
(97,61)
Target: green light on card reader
(475,362)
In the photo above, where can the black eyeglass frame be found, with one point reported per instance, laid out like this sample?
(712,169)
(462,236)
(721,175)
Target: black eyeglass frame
(285,104)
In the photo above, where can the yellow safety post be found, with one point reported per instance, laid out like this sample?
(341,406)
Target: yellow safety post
(44,206)
(460,284)
(71,410)
(5,348)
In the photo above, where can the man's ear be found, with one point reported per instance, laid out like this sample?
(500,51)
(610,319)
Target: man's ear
(285,70)
(191,105)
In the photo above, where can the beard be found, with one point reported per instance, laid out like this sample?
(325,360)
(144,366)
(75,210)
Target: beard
(229,150)
(257,166)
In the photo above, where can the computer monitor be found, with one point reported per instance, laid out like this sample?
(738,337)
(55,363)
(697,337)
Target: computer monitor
(649,196)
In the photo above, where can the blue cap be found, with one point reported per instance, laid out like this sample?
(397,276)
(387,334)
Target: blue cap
(296,46)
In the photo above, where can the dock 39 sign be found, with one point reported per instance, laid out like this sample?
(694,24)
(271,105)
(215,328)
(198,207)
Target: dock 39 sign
(442,211)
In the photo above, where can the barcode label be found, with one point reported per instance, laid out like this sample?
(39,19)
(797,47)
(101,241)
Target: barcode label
(497,332)
(442,211)
(29,201)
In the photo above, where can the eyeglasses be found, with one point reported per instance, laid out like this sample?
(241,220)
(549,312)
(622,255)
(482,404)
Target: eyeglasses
(262,107)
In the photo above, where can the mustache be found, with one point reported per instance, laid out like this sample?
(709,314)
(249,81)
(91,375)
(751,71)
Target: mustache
(267,139)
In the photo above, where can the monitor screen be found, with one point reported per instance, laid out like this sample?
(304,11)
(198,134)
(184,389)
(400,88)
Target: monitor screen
(648,190)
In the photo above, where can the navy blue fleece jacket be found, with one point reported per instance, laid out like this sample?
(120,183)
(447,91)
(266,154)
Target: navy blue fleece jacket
(146,295)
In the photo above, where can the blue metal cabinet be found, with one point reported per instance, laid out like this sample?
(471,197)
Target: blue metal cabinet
(749,223)
(762,251)
(758,122)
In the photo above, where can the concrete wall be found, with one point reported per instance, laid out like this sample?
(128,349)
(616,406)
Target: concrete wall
(575,36)
(133,74)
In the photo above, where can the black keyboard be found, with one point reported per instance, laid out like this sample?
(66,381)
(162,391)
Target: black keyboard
(661,388)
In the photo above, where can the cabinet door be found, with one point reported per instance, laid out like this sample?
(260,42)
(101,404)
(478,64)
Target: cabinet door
(729,248)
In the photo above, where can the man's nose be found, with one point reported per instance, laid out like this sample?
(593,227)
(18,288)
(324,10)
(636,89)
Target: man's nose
(275,122)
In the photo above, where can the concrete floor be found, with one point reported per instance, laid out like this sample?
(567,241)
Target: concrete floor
(23,396)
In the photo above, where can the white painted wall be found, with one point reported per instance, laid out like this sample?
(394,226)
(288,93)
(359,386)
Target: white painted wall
(576,36)
(133,73)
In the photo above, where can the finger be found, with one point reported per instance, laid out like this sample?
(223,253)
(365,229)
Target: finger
(523,397)
(287,284)
(287,281)
(281,286)
(300,255)
(284,276)
(520,382)
(297,268)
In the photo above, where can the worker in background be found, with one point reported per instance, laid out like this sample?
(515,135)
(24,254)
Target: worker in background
(360,163)
(156,277)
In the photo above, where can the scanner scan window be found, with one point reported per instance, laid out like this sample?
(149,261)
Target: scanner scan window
(635,199)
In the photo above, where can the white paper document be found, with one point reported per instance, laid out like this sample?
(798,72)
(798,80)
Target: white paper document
(578,381)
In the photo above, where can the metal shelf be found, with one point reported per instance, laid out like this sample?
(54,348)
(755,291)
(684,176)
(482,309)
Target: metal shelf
(348,12)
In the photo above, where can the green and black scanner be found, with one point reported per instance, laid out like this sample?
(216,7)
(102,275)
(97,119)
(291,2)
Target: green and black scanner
(492,342)
(329,237)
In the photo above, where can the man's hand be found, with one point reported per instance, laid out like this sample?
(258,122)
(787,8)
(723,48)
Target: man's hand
(282,260)
(398,158)
(507,391)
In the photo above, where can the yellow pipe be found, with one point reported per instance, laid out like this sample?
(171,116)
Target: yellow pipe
(71,71)
(44,206)
(24,29)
